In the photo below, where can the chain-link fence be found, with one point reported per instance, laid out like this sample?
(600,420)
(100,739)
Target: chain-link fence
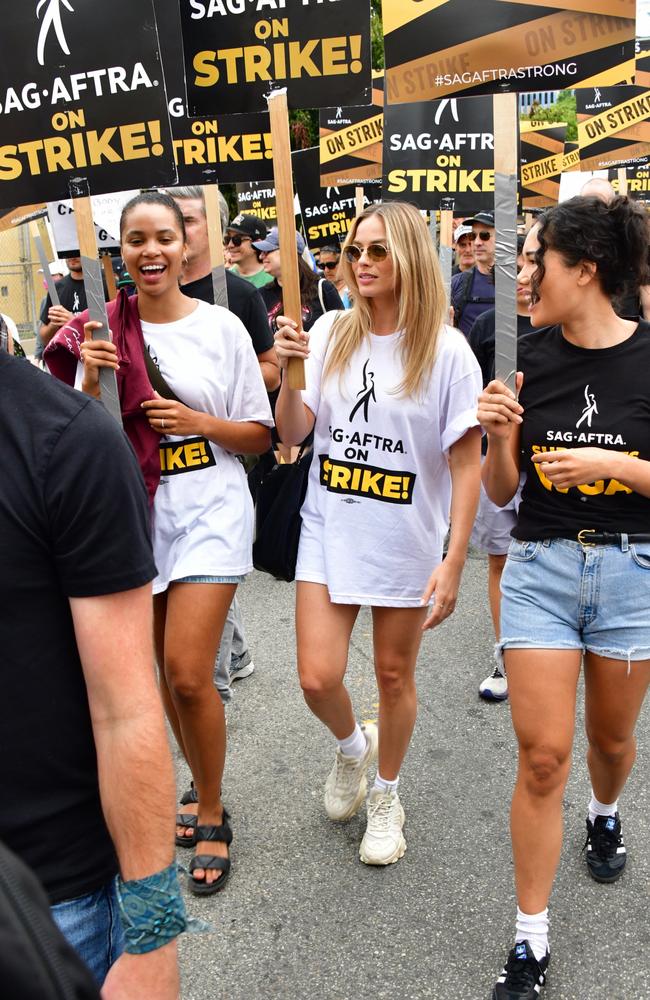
(22,288)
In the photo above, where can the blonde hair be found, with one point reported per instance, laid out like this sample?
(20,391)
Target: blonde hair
(419,290)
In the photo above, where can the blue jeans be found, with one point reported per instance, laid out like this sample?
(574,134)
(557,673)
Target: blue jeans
(92,925)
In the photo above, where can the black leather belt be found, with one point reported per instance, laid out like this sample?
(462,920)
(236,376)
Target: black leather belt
(589,536)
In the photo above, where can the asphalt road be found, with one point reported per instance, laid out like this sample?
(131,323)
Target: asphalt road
(302,919)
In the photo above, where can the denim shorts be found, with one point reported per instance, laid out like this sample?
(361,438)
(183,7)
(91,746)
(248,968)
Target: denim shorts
(210,579)
(93,927)
(559,594)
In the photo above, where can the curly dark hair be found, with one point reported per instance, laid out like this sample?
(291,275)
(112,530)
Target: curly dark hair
(615,236)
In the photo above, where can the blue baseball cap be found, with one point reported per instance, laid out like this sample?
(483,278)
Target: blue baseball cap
(272,242)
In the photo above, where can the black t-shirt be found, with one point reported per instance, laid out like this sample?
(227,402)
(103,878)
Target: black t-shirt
(481,340)
(272,295)
(74,522)
(72,296)
(577,398)
(244,301)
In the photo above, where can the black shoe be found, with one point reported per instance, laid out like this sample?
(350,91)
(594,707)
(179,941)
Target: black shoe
(605,848)
(523,976)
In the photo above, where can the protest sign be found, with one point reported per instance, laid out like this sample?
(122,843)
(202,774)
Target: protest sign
(351,141)
(327,213)
(637,179)
(18,216)
(76,100)
(106,211)
(237,51)
(439,47)
(257,199)
(571,159)
(220,148)
(541,159)
(613,126)
(435,150)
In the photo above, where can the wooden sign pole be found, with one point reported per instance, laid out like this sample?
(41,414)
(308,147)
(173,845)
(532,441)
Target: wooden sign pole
(505,107)
(529,220)
(358,200)
(93,286)
(447,242)
(41,241)
(109,276)
(622,180)
(215,241)
(279,116)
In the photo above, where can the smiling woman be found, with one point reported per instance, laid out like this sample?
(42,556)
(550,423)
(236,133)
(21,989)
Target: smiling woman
(202,510)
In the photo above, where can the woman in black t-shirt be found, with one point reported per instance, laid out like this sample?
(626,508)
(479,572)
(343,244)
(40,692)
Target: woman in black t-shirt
(577,579)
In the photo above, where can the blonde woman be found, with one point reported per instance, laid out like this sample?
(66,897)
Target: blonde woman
(391,399)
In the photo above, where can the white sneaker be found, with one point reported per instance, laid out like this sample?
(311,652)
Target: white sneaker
(240,672)
(346,785)
(383,842)
(494,687)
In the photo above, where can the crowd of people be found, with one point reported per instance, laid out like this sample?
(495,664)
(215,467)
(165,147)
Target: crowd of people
(418,451)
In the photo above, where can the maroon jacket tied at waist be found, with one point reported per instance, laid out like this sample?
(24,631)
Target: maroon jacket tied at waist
(133,385)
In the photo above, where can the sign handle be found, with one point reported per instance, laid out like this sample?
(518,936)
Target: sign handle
(37,232)
(109,276)
(358,199)
(505,205)
(622,180)
(215,242)
(279,115)
(94,287)
(446,242)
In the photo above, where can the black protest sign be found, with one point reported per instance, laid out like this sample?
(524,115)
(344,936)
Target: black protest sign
(541,160)
(437,150)
(224,149)
(637,178)
(439,47)
(327,213)
(571,159)
(76,101)
(236,51)
(351,140)
(613,126)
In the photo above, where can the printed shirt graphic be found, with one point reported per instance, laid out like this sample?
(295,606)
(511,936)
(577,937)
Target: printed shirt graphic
(203,513)
(579,398)
(377,504)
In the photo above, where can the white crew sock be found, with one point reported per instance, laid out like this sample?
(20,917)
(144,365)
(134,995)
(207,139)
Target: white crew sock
(354,745)
(597,808)
(382,785)
(533,927)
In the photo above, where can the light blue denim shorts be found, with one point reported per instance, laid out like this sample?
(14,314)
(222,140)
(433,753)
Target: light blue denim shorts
(559,594)
(210,579)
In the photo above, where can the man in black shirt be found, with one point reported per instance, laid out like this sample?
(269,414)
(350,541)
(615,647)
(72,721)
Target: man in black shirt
(243,298)
(72,296)
(82,731)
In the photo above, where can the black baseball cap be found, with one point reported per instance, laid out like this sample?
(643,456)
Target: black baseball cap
(248,225)
(481,218)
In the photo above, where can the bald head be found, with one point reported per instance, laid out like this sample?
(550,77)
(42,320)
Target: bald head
(598,187)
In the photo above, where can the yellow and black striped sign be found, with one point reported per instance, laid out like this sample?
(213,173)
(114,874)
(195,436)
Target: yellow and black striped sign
(613,126)
(571,159)
(351,140)
(541,162)
(520,45)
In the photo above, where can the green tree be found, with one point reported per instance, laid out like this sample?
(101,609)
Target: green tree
(564,110)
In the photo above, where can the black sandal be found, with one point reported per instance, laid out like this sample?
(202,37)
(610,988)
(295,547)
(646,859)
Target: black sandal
(187,819)
(223,835)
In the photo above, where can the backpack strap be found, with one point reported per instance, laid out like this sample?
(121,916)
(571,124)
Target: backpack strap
(320,294)
(465,290)
(157,379)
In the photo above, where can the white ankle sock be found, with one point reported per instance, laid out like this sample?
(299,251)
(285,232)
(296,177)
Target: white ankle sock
(382,785)
(597,808)
(354,745)
(533,927)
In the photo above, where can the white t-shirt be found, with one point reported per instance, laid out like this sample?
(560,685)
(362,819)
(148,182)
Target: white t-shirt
(377,505)
(203,512)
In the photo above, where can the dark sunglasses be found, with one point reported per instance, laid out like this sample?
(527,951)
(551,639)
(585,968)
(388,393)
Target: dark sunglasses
(482,235)
(236,240)
(330,264)
(375,251)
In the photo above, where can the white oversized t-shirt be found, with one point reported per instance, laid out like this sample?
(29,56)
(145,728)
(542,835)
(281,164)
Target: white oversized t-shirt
(377,506)
(203,512)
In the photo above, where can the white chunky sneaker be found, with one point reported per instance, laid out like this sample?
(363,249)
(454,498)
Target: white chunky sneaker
(494,687)
(346,785)
(383,842)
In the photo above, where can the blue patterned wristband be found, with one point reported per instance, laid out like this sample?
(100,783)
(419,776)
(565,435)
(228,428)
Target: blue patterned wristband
(152,910)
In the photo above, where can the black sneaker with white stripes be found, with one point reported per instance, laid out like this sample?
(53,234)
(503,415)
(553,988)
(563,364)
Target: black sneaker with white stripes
(523,975)
(605,848)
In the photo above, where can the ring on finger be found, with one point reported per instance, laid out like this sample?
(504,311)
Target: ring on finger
(162,422)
